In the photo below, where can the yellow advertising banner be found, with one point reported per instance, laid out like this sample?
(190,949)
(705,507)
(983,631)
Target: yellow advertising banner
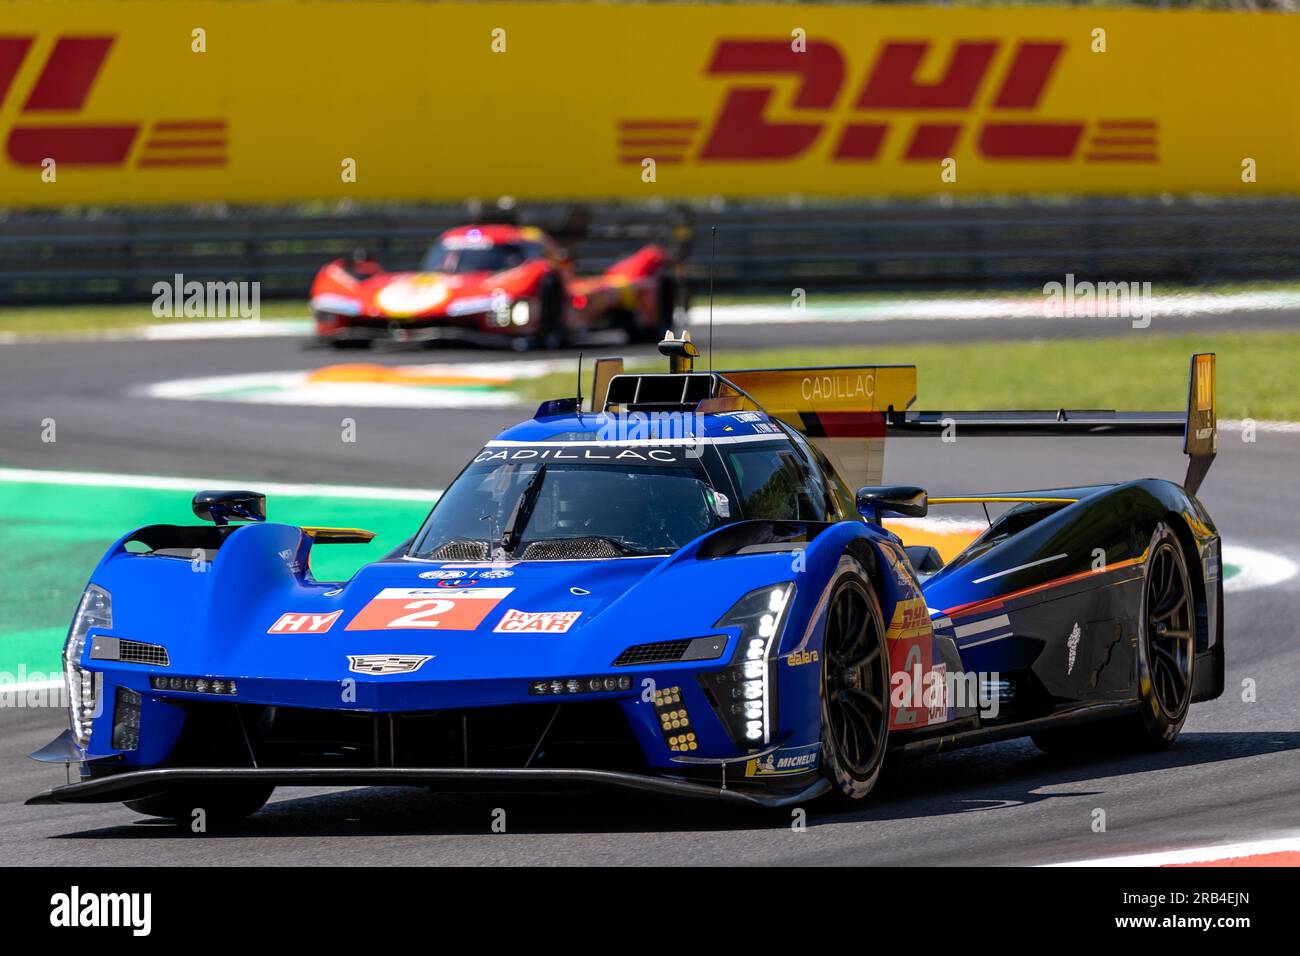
(140,101)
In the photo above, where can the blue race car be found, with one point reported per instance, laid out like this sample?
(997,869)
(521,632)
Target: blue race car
(676,592)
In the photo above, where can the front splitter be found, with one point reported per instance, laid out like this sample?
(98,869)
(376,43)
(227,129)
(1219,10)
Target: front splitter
(142,783)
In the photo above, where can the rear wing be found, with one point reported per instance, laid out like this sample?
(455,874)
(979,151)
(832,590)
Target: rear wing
(848,411)
(1198,425)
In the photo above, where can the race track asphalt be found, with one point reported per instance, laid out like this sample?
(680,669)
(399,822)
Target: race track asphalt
(1231,778)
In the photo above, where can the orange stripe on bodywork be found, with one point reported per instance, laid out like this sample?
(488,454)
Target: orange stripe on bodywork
(990,603)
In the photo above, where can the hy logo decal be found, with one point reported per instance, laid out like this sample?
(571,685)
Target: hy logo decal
(304,623)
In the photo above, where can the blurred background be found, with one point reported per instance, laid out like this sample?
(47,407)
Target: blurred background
(257,141)
(887,182)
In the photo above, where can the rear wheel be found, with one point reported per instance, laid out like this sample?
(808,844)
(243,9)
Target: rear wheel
(1167,650)
(667,294)
(855,688)
(1166,654)
(233,802)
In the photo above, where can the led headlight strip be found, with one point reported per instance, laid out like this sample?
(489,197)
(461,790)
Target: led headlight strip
(83,686)
(746,689)
(196,685)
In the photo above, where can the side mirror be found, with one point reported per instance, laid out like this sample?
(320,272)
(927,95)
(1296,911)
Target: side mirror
(925,558)
(905,500)
(220,506)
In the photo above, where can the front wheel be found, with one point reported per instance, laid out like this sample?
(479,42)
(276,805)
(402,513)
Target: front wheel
(550,333)
(855,687)
(219,803)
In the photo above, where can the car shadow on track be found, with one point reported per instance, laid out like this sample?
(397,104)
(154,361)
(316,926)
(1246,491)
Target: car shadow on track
(978,780)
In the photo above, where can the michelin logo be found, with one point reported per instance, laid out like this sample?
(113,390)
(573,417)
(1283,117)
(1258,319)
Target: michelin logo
(787,760)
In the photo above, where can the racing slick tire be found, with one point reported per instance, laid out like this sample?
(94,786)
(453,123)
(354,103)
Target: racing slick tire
(1166,655)
(855,687)
(228,803)
(550,333)
(351,343)
(667,295)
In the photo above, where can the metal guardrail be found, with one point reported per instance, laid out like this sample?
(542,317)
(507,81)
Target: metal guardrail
(118,255)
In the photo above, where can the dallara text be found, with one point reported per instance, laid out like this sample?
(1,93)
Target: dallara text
(689,589)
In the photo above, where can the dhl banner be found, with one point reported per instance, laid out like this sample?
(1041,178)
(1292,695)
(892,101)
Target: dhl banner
(139,101)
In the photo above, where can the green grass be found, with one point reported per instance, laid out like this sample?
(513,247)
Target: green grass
(1257,372)
(60,320)
(56,320)
(51,537)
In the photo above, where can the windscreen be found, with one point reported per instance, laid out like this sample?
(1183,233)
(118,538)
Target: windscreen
(634,501)
(457,257)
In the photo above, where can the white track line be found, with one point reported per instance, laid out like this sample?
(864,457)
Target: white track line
(303,388)
(957,309)
(1236,425)
(837,310)
(164,483)
(1204,854)
(26,687)
(1256,568)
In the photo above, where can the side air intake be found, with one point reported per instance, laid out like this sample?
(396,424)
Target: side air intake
(669,652)
(683,390)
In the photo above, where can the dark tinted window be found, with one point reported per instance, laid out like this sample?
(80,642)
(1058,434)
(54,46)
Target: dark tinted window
(841,503)
(774,481)
(644,508)
(845,498)
(454,257)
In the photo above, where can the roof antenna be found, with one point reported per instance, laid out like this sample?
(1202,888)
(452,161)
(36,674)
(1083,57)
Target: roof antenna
(713,252)
(579,384)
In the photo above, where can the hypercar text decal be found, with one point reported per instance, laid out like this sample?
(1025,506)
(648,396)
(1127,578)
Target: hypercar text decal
(536,622)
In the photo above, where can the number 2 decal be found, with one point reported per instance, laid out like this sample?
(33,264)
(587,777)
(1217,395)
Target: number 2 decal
(427,609)
(425,617)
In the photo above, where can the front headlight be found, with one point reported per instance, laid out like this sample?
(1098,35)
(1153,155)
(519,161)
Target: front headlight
(519,312)
(746,690)
(83,686)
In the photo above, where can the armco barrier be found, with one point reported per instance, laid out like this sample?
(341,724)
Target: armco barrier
(119,255)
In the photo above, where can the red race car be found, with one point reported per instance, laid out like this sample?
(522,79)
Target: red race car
(495,283)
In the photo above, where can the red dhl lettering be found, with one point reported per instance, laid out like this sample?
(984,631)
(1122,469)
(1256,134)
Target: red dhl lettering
(744,130)
(66,80)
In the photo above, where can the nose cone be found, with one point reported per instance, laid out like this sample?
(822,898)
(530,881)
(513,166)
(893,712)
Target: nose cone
(468,623)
